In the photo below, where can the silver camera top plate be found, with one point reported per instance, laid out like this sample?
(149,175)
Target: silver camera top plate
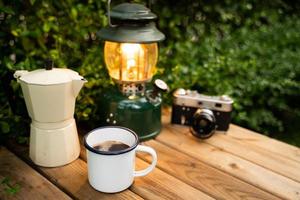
(192,98)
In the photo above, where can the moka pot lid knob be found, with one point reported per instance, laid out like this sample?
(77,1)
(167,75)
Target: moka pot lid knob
(49,64)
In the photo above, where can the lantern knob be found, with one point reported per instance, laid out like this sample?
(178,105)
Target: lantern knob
(160,86)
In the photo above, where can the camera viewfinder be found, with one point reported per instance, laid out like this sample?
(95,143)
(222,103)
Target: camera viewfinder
(218,105)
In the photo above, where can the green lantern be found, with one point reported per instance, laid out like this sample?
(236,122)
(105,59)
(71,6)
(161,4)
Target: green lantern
(131,53)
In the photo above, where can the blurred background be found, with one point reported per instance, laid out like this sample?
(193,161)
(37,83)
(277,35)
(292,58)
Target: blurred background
(249,50)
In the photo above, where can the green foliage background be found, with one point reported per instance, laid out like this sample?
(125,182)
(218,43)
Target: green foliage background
(249,50)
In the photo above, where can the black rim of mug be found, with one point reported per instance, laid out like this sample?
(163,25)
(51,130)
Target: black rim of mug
(90,148)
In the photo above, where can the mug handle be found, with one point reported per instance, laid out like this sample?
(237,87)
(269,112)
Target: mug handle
(152,152)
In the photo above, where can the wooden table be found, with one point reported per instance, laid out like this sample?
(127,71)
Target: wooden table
(239,165)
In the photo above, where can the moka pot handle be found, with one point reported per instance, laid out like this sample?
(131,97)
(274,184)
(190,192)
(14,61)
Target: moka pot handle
(14,101)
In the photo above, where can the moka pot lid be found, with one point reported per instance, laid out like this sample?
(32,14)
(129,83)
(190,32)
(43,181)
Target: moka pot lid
(48,76)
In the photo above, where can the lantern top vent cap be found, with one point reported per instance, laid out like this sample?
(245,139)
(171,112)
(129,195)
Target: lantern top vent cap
(133,23)
(132,11)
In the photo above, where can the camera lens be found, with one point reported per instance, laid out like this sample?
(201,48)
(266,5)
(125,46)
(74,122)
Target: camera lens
(203,124)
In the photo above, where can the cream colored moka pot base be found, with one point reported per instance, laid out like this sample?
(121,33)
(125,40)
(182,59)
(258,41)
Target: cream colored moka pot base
(54,146)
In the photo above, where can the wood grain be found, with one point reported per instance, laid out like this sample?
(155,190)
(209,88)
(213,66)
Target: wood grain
(71,178)
(160,185)
(202,176)
(274,146)
(229,163)
(31,184)
(279,164)
(269,160)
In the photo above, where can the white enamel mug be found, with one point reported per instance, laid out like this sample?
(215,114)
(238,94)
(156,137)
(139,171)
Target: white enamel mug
(113,171)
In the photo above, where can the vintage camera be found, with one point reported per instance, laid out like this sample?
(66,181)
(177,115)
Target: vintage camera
(204,114)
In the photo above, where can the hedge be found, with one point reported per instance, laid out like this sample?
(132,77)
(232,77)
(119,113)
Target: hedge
(248,50)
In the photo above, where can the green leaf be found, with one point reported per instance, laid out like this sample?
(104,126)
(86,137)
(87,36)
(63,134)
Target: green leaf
(74,13)
(5,180)
(12,190)
(54,54)
(15,33)
(23,140)
(46,27)
(7,10)
(5,127)
(32,2)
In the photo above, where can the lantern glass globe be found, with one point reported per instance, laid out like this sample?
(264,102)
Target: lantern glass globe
(131,62)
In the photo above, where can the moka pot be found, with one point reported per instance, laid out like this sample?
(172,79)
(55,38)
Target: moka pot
(50,96)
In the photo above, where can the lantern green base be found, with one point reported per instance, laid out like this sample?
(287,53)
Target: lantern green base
(137,114)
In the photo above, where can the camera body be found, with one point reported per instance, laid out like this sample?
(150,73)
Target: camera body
(204,114)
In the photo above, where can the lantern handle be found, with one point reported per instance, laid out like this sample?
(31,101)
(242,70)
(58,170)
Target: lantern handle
(150,2)
(108,12)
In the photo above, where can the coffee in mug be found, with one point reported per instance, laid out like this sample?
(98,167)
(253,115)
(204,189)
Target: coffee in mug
(111,158)
(111,145)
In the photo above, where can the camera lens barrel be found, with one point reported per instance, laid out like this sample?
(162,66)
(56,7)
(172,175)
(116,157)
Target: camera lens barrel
(203,123)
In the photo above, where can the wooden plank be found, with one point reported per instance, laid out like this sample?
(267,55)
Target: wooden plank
(264,142)
(71,178)
(279,164)
(222,160)
(202,176)
(250,137)
(160,185)
(14,173)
